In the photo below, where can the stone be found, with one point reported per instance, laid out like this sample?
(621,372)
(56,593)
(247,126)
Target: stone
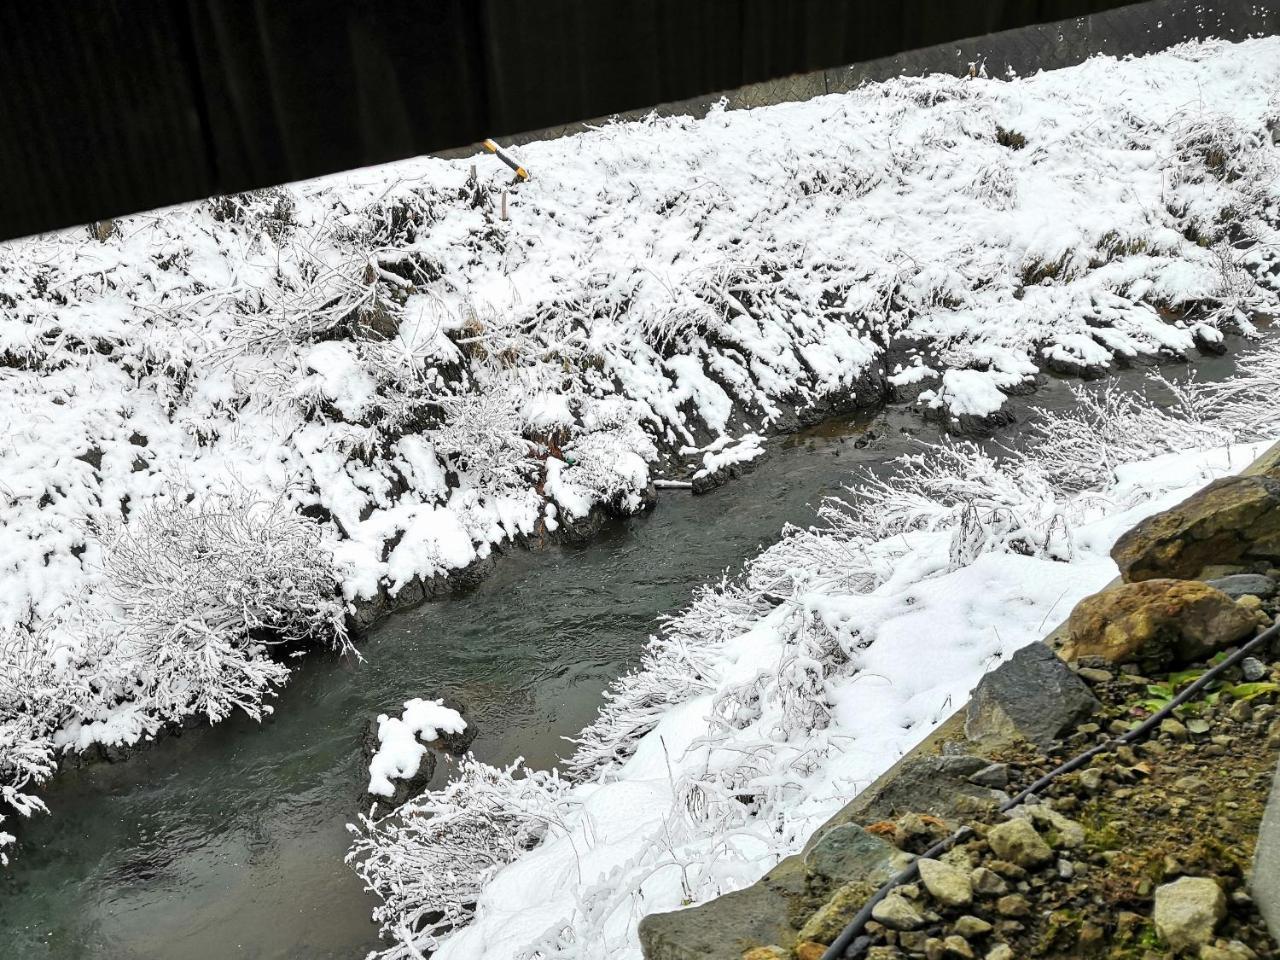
(766,953)
(1245,585)
(1158,623)
(1013,905)
(1095,675)
(1001,951)
(1069,833)
(1017,841)
(1187,910)
(970,926)
(1253,669)
(897,913)
(724,928)
(1091,779)
(1241,711)
(987,883)
(1227,950)
(808,950)
(834,915)
(1174,729)
(948,885)
(995,776)
(847,852)
(1232,520)
(1032,696)
(955,946)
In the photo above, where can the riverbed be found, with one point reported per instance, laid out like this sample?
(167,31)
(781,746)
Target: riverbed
(228,842)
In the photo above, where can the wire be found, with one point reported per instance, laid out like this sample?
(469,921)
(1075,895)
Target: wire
(840,947)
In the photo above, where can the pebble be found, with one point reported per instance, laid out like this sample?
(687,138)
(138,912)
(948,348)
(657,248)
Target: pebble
(996,776)
(1253,669)
(1017,841)
(988,883)
(1013,905)
(1001,951)
(1198,726)
(897,913)
(1241,711)
(1094,675)
(1065,870)
(1091,779)
(970,926)
(1173,728)
(949,885)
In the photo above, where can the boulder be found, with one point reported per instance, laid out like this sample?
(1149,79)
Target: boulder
(847,852)
(724,928)
(1032,696)
(1187,910)
(1156,623)
(1232,520)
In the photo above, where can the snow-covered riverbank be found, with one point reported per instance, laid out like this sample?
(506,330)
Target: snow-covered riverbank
(223,422)
(765,706)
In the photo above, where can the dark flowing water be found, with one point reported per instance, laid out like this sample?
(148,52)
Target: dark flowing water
(228,842)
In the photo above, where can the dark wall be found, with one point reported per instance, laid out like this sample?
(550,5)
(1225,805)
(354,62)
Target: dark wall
(114,106)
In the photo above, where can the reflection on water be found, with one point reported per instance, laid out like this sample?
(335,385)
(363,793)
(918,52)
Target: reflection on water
(228,843)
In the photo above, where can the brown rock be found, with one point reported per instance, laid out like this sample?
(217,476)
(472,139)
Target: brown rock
(766,953)
(808,950)
(1231,520)
(1156,622)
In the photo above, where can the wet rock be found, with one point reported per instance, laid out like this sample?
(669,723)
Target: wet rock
(1187,910)
(847,852)
(898,913)
(1018,842)
(1032,696)
(1157,623)
(1232,520)
(1001,951)
(948,885)
(1245,585)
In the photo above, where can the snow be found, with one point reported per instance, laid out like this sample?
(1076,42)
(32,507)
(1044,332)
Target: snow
(400,749)
(775,697)
(667,282)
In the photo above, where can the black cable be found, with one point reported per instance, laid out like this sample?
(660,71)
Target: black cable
(841,944)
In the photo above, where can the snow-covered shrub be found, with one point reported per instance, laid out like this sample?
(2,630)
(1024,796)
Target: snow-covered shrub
(200,590)
(431,858)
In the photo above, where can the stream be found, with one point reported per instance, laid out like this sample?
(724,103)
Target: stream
(228,841)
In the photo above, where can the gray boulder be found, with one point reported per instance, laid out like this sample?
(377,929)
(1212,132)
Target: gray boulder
(1032,696)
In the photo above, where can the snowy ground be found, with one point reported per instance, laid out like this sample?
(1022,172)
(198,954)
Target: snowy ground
(774,698)
(222,422)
